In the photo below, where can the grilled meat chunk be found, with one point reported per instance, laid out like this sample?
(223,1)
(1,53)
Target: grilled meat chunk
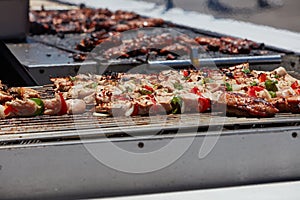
(289,104)
(21,108)
(75,106)
(52,106)
(5,97)
(22,92)
(175,49)
(245,106)
(62,84)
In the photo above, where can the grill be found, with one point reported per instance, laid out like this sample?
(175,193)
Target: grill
(48,153)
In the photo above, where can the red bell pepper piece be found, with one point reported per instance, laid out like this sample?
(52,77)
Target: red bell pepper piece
(63,108)
(135,110)
(237,79)
(295,85)
(148,88)
(203,104)
(195,90)
(9,109)
(253,89)
(186,73)
(262,77)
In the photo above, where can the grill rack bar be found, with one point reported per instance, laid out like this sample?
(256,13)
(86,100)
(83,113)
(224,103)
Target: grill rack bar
(57,128)
(223,61)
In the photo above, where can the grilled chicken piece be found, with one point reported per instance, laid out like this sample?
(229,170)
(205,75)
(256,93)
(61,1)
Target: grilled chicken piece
(189,103)
(79,57)
(56,106)
(139,23)
(2,113)
(62,84)
(154,22)
(228,45)
(91,99)
(121,108)
(288,104)
(121,28)
(165,101)
(245,106)
(116,52)
(144,104)
(214,45)
(75,106)
(21,108)
(175,49)
(203,40)
(23,93)
(4,97)
(80,92)
(52,106)
(86,45)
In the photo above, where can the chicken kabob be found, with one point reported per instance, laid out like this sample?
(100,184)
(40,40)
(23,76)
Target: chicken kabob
(244,92)
(27,102)
(276,87)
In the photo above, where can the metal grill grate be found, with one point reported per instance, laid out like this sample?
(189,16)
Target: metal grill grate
(59,128)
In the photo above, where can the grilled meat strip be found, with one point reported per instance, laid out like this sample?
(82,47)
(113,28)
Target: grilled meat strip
(4,97)
(288,104)
(243,105)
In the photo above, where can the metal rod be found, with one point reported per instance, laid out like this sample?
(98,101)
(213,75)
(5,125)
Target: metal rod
(222,61)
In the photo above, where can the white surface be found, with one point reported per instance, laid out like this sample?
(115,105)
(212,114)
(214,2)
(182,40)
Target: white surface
(268,35)
(275,191)
(48,5)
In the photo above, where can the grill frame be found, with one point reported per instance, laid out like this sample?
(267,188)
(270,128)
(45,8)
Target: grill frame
(63,169)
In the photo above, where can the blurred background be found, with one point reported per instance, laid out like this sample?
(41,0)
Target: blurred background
(283,14)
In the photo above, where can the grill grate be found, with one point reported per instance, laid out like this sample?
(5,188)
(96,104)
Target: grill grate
(59,128)
(69,42)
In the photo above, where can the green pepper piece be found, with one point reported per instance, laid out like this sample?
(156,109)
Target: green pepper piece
(246,71)
(72,78)
(254,83)
(92,85)
(176,104)
(271,85)
(228,87)
(41,106)
(273,94)
(178,86)
(145,92)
